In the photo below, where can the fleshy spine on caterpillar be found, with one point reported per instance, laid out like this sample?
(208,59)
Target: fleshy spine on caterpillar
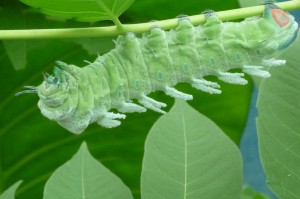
(76,97)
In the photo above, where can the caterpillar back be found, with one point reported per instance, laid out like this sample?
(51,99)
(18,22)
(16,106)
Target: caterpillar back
(76,97)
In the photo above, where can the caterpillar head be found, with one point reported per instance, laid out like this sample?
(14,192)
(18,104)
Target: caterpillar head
(54,93)
(284,25)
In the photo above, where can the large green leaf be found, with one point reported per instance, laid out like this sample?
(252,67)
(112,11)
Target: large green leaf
(84,177)
(142,10)
(188,156)
(10,192)
(278,126)
(82,10)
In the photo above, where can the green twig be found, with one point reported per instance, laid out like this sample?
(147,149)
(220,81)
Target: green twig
(136,28)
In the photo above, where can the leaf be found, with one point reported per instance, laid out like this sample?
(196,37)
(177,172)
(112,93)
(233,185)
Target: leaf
(10,192)
(82,10)
(188,156)
(84,177)
(16,50)
(278,126)
(156,9)
(249,193)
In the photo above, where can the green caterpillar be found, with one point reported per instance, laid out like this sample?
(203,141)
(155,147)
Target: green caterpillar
(76,97)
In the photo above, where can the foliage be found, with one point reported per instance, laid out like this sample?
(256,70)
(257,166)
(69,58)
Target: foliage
(186,160)
(93,10)
(278,127)
(32,147)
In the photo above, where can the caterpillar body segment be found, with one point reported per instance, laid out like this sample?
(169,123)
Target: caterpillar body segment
(76,97)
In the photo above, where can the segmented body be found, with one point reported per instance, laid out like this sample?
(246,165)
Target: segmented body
(158,61)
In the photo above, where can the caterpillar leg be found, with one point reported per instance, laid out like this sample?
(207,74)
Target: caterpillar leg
(255,70)
(206,86)
(61,64)
(128,107)
(108,121)
(152,104)
(232,78)
(177,94)
(75,124)
(273,62)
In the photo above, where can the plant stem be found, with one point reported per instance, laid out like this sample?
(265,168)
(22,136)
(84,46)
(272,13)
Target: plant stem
(136,28)
(118,23)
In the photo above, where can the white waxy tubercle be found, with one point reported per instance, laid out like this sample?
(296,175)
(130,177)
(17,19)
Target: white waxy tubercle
(255,70)
(232,78)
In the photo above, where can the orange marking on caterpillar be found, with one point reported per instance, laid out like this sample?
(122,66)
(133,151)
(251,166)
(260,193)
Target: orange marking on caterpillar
(281,18)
